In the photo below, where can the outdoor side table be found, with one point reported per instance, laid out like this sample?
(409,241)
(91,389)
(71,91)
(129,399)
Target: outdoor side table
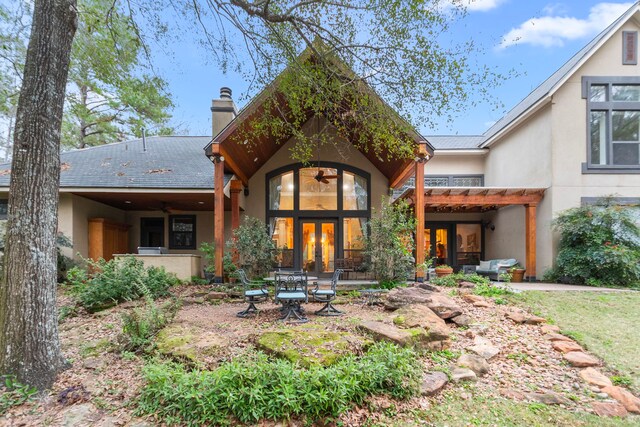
(372,295)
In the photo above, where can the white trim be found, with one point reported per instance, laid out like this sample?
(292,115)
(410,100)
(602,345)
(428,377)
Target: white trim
(131,190)
(465,152)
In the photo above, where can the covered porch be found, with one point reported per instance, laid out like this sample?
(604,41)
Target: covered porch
(477,200)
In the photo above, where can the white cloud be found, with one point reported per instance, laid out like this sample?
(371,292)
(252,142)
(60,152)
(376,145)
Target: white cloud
(551,31)
(473,5)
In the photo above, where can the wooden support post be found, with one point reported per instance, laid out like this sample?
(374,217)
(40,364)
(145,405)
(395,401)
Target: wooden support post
(419,210)
(530,238)
(218,215)
(235,190)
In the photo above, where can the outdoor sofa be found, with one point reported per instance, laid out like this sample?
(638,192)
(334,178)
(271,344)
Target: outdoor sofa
(495,267)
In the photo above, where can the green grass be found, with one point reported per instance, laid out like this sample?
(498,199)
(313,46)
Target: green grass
(486,411)
(605,323)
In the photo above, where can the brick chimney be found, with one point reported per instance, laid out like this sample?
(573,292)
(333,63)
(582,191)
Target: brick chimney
(223,110)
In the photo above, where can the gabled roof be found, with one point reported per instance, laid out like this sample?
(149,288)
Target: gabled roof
(174,162)
(245,161)
(549,86)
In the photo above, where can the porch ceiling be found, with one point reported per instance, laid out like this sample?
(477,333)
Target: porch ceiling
(474,199)
(172,203)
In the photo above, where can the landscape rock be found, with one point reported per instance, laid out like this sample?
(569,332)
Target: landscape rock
(474,362)
(79,415)
(609,409)
(566,346)
(213,295)
(399,297)
(579,359)
(462,320)
(534,320)
(482,304)
(467,285)
(550,329)
(463,374)
(484,348)
(428,287)
(594,377)
(433,382)
(552,336)
(517,315)
(421,316)
(444,306)
(630,402)
(414,337)
(548,398)
(511,393)
(471,298)
(189,342)
(308,345)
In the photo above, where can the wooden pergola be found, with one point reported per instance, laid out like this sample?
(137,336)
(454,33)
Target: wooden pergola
(478,199)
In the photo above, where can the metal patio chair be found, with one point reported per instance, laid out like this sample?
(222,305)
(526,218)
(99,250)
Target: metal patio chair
(251,294)
(328,295)
(292,291)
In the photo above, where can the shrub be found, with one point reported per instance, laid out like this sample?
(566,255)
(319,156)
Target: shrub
(390,244)
(140,325)
(252,387)
(116,281)
(599,245)
(489,290)
(255,249)
(13,393)
(453,280)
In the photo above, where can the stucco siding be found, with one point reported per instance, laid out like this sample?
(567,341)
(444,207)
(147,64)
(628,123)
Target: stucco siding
(346,154)
(83,209)
(523,157)
(444,164)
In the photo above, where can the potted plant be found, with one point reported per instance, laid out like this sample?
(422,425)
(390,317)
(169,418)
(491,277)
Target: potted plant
(209,252)
(517,273)
(443,270)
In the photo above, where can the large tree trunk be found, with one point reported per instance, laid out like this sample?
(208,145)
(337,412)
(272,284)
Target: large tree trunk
(29,346)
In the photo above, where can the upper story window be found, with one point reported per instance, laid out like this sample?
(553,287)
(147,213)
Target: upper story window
(333,187)
(613,108)
(4,209)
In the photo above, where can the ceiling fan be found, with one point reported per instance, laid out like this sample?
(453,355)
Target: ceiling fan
(321,177)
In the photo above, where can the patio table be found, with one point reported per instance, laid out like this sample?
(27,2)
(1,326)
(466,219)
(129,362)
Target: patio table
(372,295)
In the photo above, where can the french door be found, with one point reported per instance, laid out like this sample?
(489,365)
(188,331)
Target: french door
(318,249)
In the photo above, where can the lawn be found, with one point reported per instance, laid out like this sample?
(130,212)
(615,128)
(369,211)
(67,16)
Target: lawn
(605,323)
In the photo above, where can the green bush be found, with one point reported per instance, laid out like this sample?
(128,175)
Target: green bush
(252,387)
(453,280)
(256,251)
(599,246)
(389,246)
(116,281)
(140,325)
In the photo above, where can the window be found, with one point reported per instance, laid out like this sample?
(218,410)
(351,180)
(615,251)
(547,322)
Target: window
(152,232)
(281,192)
(282,237)
(4,209)
(613,122)
(354,192)
(182,232)
(318,189)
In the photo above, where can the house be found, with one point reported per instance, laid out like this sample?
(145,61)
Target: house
(574,139)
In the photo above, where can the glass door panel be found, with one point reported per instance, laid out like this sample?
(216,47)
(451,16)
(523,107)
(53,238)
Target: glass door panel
(468,244)
(318,246)
(308,259)
(441,237)
(327,248)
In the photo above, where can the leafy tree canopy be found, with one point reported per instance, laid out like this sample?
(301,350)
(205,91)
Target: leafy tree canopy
(112,94)
(353,51)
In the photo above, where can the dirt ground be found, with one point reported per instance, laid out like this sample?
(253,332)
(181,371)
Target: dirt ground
(102,382)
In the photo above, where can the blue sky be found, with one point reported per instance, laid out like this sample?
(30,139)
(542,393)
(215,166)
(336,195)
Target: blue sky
(532,37)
